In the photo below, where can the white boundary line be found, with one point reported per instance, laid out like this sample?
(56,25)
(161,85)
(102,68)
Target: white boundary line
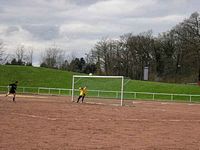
(25,96)
(96,103)
(34,116)
(109,119)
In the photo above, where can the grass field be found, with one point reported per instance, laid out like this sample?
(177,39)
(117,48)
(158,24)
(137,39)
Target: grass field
(52,78)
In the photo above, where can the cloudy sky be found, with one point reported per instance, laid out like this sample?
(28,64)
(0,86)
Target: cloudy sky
(76,25)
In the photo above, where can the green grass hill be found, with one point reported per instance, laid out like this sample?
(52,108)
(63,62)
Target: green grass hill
(34,76)
(52,78)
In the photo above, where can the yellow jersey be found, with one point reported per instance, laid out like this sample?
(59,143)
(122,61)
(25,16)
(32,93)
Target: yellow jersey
(83,91)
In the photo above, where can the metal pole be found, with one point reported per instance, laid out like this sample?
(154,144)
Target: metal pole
(98,93)
(122,90)
(73,89)
(70,92)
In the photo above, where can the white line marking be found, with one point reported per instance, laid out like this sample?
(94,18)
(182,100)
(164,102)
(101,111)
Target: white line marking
(136,102)
(25,96)
(96,103)
(193,104)
(107,119)
(165,103)
(34,116)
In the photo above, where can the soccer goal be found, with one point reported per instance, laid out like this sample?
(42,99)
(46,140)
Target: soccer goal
(99,87)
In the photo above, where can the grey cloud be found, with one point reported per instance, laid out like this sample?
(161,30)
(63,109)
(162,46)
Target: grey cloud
(74,24)
(43,32)
(85,2)
(11,29)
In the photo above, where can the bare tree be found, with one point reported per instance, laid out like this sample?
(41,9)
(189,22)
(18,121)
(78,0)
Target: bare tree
(29,56)
(60,59)
(1,52)
(103,55)
(53,57)
(20,55)
(3,56)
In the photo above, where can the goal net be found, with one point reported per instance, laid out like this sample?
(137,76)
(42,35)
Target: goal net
(108,89)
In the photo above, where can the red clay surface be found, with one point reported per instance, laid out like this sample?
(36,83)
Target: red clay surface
(56,123)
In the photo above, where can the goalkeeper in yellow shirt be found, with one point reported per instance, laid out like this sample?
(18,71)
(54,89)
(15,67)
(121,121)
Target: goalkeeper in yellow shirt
(83,92)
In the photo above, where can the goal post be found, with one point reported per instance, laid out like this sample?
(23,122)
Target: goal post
(102,77)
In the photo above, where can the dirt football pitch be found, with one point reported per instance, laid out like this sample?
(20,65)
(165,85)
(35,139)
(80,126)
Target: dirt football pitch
(56,123)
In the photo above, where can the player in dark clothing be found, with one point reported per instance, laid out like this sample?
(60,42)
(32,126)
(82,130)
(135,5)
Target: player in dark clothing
(13,88)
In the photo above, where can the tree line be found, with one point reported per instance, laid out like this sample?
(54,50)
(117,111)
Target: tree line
(54,57)
(172,56)
(22,56)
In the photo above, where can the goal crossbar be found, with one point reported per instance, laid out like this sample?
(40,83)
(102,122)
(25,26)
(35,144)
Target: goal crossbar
(113,77)
(79,76)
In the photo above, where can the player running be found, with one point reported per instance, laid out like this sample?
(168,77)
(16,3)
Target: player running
(83,92)
(13,88)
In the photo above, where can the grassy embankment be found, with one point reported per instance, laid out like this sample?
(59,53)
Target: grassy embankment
(51,78)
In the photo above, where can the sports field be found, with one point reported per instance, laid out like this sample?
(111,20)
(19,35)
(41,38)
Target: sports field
(56,123)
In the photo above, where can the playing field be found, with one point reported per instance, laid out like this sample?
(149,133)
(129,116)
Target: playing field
(56,123)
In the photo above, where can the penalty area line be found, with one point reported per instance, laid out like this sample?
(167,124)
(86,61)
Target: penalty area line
(108,119)
(34,116)
(97,103)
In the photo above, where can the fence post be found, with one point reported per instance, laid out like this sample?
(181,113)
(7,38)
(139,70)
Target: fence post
(23,89)
(172,97)
(98,93)
(153,96)
(135,95)
(59,91)
(38,91)
(190,98)
(116,95)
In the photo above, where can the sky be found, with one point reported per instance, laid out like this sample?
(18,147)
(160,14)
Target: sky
(76,25)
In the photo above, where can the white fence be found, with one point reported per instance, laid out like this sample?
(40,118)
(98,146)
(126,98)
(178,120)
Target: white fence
(107,94)
(39,90)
